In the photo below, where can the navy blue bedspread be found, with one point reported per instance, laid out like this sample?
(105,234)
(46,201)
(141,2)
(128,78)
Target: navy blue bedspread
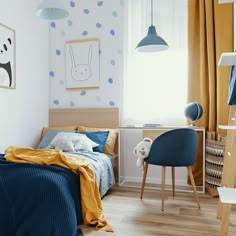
(38,200)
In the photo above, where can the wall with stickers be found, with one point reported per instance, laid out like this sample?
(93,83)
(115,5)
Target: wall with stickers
(103,22)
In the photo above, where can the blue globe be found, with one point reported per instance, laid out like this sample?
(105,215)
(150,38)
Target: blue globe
(193,111)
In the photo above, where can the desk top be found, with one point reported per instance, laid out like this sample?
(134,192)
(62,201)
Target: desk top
(227,195)
(159,127)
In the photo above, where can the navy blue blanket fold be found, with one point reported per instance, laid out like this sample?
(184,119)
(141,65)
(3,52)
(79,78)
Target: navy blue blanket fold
(38,200)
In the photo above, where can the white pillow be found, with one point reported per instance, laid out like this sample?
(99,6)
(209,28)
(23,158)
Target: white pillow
(83,145)
(63,143)
(83,138)
(72,142)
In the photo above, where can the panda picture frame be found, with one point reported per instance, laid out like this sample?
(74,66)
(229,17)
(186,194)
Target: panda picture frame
(7,57)
(82,63)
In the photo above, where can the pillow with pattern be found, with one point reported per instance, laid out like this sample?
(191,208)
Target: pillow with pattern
(99,137)
(72,142)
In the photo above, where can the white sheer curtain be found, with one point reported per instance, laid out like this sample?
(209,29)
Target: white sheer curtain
(155,87)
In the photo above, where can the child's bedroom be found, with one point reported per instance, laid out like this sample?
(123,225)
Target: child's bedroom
(117,118)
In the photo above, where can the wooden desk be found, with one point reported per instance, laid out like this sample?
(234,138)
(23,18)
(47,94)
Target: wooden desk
(142,131)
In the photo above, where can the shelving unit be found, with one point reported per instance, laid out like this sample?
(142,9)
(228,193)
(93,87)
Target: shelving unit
(229,170)
(227,59)
(225,1)
(227,195)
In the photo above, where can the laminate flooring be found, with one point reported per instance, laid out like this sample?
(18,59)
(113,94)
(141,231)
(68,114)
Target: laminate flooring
(131,216)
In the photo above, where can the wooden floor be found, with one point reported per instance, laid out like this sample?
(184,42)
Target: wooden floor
(130,216)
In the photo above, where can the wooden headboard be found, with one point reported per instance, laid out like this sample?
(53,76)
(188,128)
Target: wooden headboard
(92,117)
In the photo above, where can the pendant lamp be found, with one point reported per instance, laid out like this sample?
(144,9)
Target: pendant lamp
(51,10)
(152,42)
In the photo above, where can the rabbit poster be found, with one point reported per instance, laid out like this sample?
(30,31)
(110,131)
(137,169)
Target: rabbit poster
(82,64)
(7,57)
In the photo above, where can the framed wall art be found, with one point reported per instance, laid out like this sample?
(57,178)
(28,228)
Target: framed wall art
(82,64)
(7,57)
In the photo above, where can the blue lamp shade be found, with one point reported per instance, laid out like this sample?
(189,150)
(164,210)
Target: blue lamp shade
(152,42)
(51,10)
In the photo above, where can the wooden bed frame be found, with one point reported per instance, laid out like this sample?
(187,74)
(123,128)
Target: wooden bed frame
(92,117)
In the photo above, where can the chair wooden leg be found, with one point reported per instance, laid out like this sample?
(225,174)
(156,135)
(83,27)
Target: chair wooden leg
(173,180)
(163,181)
(145,169)
(193,184)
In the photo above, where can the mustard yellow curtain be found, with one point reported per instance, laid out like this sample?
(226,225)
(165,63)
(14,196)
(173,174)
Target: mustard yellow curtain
(210,32)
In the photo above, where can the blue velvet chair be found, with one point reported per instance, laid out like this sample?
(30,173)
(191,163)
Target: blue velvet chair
(174,148)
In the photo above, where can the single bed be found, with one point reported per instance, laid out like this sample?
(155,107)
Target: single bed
(47,199)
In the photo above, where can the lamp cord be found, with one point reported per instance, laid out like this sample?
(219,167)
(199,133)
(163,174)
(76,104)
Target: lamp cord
(151,12)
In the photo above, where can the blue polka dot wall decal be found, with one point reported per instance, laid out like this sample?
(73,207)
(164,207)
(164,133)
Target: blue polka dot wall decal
(114,13)
(58,52)
(53,24)
(69,22)
(98,25)
(82,93)
(110,81)
(113,62)
(86,11)
(112,32)
(111,103)
(85,33)
(51,73)
(56,102)
(100,3)
(72,3)
(72,104)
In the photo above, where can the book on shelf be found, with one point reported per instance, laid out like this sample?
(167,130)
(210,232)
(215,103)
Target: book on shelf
(151,125)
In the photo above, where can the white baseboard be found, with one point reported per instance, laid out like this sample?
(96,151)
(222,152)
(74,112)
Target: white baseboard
(153,180)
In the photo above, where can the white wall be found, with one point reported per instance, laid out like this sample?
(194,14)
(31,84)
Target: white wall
(24,110)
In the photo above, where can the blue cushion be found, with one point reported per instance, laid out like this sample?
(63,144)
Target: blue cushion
(48,137)
(99,137)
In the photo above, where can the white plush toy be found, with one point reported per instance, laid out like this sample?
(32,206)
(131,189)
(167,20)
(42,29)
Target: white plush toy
(142,150)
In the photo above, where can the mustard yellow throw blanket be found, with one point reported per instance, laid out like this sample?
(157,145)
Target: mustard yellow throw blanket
(90,198)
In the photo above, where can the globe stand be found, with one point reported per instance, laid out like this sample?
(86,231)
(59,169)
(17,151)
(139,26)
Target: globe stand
(192,124)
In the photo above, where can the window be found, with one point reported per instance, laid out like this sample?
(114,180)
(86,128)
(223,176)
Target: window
(155,87)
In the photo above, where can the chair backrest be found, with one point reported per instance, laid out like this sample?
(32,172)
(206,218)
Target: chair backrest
(176,147)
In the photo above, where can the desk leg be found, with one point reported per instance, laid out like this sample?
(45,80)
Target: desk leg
(219,210)
(226,211)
